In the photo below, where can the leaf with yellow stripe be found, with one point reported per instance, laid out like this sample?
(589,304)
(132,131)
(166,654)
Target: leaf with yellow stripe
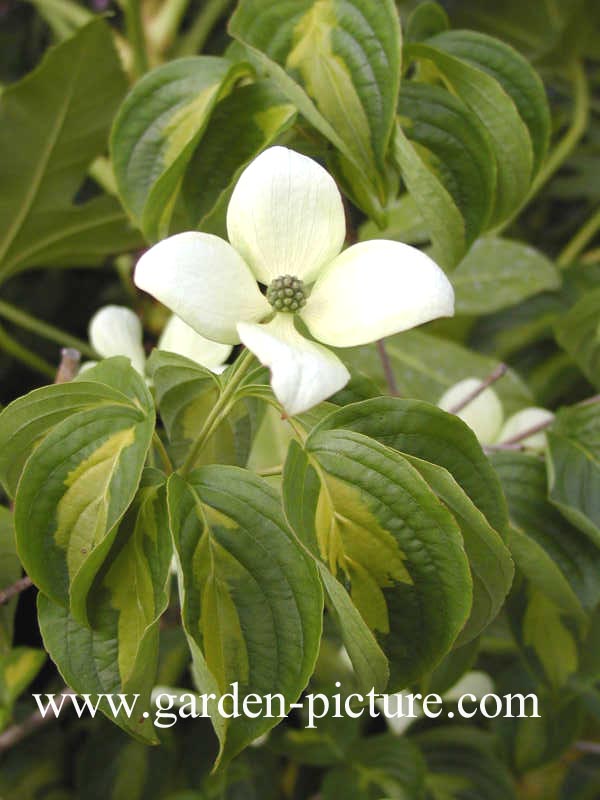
(117,652)
(339,62)
(157,130)
(88,442)
(365,511)
(250,595)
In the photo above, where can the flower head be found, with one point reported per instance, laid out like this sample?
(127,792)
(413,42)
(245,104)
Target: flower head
(117,331)
(286,229)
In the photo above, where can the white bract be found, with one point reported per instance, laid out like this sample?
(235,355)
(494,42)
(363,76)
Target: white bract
(485,416)
(286,229)
(117,331)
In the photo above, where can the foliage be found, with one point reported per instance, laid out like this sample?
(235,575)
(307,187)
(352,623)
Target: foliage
(183,534)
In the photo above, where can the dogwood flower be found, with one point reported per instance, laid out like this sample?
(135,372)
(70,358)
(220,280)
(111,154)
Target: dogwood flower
(485,416)
(286,227)
(117,331)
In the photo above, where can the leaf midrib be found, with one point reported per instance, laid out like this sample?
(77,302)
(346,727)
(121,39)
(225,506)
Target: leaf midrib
(38,176)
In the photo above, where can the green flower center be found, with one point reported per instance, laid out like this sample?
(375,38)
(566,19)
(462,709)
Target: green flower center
(287,293)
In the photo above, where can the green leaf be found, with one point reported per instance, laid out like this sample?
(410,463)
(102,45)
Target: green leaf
(456,146)
(18,667)
(498,113)
(376,524)
(251,597)
(514,73)
(118,652)
(543,630)
(81,477)
(301,480)
(578,332)
(427,433)
(534,29)
(435,204)
(338,61)
(378,766)
(157,130)
(489,559)
(425,366)
(28,420)
(242,124)
(447,455)
(185,393)
(573,458)
(404,223)
(427,19)
(60,115)
(556,557)
(461,764)
(498,273)
(63,16)
(10,571)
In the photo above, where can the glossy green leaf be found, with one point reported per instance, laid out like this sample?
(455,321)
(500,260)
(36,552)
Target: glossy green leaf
(81,477)
(378,766)
(185,394)
(425,366)
(10,571)
(249,119)
(118,652)
(498,273)
(498,113)
(377,525)
(427,433)
(456,147)
(573,459)
(553,554)
(338,61)
(157,130)
(489,558)
(301,480)
(578,332)
(427,19)
(60,115)
(514,73)
(449,458)
(251,597)
(435,204)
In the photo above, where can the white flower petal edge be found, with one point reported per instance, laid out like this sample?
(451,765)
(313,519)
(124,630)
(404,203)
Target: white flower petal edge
(303,373)
(178,337)
(117,331)
(524,420)
(204,281)
(286,216)
(484,415)
(374,289)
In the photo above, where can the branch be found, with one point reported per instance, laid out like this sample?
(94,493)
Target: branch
(69,365)
(514,442)
(388,370)
(16,733)
(6,595)
(588,747)
(494,376)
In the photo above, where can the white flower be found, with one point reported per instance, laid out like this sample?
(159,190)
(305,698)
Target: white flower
(117,331)
(286,226)
(177,337)
(485,416)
